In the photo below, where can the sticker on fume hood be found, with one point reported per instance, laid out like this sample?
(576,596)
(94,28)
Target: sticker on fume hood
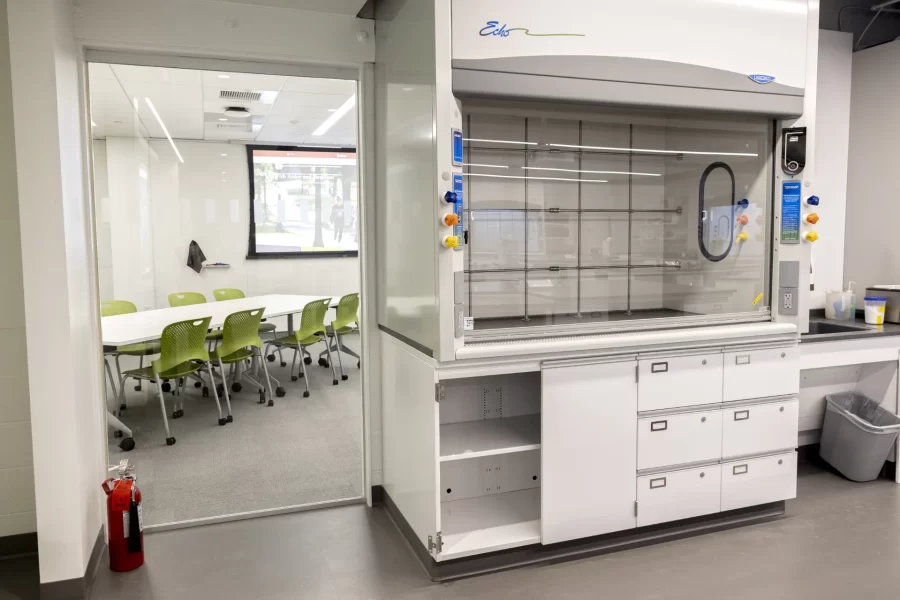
(457,148)
(790,212)
(758,298)
(469,324)
(762,79)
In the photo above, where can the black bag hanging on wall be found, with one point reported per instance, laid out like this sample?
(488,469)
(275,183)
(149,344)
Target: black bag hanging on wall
(195,256)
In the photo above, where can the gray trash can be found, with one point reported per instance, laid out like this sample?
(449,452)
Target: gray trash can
(858,435)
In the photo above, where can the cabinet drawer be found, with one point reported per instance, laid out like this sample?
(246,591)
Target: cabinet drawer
(761,373)
(680,381)
(679,439)
(759,480)
(759,428)
(678,495)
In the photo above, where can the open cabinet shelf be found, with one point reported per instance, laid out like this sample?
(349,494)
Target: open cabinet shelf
(490,523)
(487,437)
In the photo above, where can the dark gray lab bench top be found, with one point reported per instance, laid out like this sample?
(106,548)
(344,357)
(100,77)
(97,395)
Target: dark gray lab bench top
(865,331)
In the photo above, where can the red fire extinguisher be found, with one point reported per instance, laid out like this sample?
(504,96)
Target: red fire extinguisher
(124,515)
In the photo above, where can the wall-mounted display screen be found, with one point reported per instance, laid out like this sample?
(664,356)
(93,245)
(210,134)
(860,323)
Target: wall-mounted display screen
(304,201)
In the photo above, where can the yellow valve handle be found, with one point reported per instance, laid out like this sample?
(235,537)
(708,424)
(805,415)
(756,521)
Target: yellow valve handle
(451,241)
(811,236)
(742,237)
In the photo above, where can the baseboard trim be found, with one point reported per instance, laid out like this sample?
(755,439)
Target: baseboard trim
(14,546)
(537,554)
(80,587)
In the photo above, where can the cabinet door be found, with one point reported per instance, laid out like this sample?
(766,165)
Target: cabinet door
(588,450)
(678,381)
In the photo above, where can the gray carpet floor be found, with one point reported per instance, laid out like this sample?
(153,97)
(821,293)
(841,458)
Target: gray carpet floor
(300,451)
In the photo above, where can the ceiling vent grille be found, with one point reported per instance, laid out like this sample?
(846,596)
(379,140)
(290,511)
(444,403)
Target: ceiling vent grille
(245,96)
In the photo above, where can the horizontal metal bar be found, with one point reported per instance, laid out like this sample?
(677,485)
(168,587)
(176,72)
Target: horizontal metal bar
(581,268)
(678,210)
(884,4)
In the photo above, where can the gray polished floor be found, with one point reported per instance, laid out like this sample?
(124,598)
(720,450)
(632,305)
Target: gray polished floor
(839,540)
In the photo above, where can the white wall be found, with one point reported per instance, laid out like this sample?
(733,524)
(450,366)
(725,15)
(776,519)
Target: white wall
(103,233)
(59,284)
(205,199)
(17,511)
(871,254)
(222,29)
(832,144)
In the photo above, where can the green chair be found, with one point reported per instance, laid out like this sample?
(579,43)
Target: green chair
(236,294)
(111,308)
(189,298)
(312,331)
(346,321)
(240,341)
(182,353)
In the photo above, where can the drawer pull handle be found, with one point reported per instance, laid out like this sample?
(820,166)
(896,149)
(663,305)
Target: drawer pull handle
(739,470)
(780,461)
(781,409)
(704,361)
(662,367)
(743,359)
(741,415)
(659,425)
(657,483)
(703,419)
(702,475)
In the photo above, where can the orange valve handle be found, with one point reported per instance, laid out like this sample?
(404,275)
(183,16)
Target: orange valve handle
(743,220)
(812,218)
(450,220)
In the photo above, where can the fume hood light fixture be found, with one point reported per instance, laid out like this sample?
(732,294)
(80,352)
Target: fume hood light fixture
(485,166)
(594,172)
(500,142)
(651,151)
(163,125)
(535,178)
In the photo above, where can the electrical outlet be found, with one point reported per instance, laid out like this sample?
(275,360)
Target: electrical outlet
(788,304)
(788,301)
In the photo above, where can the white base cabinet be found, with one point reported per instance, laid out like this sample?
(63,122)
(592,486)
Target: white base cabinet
(759,480)
(679,439)
(675,495)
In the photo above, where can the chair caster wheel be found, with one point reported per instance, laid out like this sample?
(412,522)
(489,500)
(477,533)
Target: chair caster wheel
(128,444)
(167,387)
(283,364)
(137,388)
(170,441)
(345,377)
(229,419)
(177,414)
(323,362)
(279,391)
(205,392)
(306,394)
(270,358)
(307,360)
(294,378)
(334,382)
(236,387)
(197,384)
(222,422)
(271,403)
(262,397)
(117,434)
(123,407)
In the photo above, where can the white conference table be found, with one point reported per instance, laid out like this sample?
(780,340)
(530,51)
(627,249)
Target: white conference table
(144,326)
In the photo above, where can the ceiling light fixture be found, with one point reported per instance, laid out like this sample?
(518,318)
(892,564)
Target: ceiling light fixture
(535,178)
(650,151)
(237,111)
(163,125)
(500,141)
(594,172)
(485,166)
(223,76)
(335,116)
(223,154)
(332,110)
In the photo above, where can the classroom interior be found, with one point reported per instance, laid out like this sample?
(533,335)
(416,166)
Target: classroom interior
(260,173)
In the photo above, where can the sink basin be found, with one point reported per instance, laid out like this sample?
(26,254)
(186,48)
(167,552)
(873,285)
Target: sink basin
(820,327)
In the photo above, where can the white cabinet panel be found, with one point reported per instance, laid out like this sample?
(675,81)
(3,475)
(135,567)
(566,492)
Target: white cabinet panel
(678,495)
(679,439)
(588,450)
(680,381)
(761,373)
(759,428)
(759,480)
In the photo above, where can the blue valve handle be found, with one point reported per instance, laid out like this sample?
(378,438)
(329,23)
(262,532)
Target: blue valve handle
(450,197)
(743,203)
(813,200)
